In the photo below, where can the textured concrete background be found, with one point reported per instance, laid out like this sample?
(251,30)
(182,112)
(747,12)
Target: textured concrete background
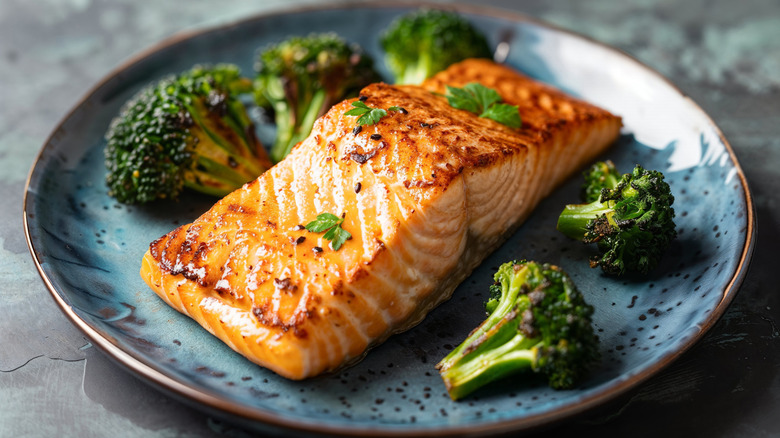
(724,54)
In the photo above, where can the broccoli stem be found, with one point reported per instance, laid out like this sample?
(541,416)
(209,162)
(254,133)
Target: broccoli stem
(418,72)
(574,220)
(213,152)
(214,178)
(484,367)
(240,122)
(220,172)
(509,291)
(240,86)
(223,141)
(292,127)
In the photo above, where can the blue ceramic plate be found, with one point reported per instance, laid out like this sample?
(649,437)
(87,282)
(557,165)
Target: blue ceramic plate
(88,247)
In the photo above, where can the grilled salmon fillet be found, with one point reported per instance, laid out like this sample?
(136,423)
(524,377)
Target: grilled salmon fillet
(426,193)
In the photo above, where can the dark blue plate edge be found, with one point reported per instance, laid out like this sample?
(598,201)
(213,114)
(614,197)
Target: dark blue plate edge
(198,398)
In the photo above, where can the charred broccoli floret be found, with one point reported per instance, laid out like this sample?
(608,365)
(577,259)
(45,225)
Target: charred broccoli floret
(537,321)
(601,175)
(302,77)
(419,44)
(632,222)
(187,130)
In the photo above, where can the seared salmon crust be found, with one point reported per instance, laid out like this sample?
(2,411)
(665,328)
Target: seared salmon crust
(426,193)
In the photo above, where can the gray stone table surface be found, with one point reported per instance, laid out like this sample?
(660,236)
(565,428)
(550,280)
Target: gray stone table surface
(725,54)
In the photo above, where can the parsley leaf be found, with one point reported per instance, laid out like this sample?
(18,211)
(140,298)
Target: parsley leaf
(323,222)
(485,102)
(330,224)
(461,99)
(503,113)
(368,115)
(484,96)
(338,237)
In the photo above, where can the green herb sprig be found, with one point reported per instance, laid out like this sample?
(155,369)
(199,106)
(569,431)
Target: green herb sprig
(368,115)
(330,224)
(485,102)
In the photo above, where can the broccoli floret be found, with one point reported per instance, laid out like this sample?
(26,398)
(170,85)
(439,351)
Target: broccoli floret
(632,222)
(538,321)
(187,130)
(302,77)
(601,175)
(419,44)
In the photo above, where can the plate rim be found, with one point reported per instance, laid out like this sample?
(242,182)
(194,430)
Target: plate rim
(154,376)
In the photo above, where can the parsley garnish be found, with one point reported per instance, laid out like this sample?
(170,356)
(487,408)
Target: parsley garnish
(485,102)
(368,115)
(330,224)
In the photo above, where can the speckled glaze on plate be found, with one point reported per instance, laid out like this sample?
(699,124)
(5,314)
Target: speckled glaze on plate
(88,248)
